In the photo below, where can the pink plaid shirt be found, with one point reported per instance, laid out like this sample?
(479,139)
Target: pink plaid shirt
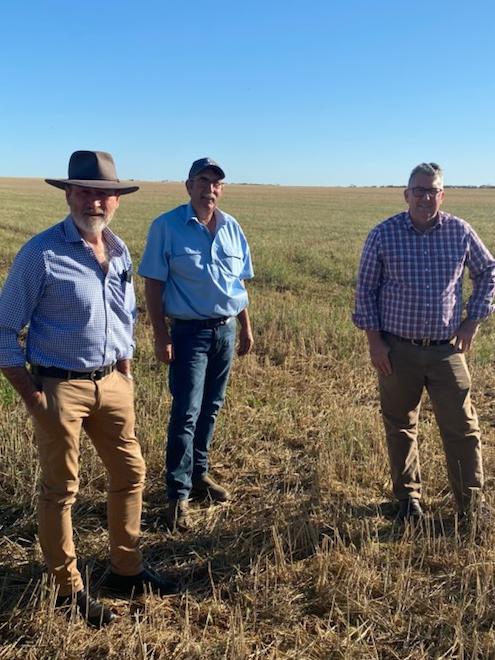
(410,283)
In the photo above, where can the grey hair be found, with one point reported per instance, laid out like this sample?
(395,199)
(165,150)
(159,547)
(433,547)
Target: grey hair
(430,169)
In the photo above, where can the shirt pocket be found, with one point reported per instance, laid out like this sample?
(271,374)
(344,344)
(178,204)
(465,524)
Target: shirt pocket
(449,270)
(231,259)
(187,263)
(122,289)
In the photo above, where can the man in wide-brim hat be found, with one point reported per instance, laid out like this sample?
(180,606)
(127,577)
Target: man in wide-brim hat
(72,286)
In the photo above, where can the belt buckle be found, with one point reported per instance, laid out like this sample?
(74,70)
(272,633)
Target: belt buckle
(420,342)
(93,375)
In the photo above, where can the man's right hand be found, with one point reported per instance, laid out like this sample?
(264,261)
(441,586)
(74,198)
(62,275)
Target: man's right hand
(34,400)
(21,379)
(379,353)
(164,350)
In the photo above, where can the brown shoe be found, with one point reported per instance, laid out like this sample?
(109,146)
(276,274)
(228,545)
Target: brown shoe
(204,486)
(177,516)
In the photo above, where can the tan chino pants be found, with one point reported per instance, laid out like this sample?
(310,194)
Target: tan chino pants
(105,409)
(443,371)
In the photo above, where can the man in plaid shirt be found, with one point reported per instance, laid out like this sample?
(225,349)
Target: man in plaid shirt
(409,302)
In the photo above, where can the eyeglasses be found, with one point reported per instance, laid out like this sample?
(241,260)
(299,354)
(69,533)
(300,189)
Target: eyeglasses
(422,192)
(206,182)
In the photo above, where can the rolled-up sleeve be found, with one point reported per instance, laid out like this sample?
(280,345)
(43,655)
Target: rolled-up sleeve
(366,315)
(481,266)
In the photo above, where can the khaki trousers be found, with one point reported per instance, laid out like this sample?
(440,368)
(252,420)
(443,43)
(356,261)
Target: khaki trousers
(105,409)
(443,371)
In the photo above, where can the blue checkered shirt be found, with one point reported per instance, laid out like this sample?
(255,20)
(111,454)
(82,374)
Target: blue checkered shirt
(78,318)
(410,283)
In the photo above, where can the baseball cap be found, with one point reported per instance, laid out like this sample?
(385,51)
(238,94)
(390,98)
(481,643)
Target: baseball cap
(203,164)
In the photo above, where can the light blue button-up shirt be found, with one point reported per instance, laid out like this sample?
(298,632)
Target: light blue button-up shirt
(79,317)
(202,273)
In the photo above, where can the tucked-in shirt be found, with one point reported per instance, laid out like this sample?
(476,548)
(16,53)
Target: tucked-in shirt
(78,317)
(202,273)
(410,283)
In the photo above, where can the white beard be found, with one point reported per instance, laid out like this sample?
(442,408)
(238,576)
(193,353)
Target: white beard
(92,225)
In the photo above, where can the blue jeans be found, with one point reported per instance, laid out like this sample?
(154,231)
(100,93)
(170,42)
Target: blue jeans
(198,379)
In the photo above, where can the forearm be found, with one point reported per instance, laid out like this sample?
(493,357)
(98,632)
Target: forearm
(374,337)
(153,291)
(243,318)
(246,339)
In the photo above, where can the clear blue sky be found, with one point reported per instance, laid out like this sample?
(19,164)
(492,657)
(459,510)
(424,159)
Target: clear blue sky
(300,93)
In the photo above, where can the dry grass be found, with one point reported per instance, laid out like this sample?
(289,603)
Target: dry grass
(307,561)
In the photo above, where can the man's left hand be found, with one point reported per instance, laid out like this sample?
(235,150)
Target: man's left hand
(465,335)
(246,341)
(124,366)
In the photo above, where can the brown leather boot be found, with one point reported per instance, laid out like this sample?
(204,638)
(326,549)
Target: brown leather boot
(177,516)
(204,486)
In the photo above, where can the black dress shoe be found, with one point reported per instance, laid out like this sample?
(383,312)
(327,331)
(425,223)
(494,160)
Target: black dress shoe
(410,510)
(126,586)
(93,612)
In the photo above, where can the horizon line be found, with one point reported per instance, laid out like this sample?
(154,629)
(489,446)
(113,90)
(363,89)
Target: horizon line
(280,185)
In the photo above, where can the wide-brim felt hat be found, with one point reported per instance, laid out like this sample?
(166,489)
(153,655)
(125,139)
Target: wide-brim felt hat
(93,169)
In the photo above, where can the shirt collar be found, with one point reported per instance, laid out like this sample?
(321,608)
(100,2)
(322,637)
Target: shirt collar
(191,215)
(72,235)
(70,230)
(409,224)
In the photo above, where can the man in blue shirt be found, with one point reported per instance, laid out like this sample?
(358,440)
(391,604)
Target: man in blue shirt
(72,286)
(195,262)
